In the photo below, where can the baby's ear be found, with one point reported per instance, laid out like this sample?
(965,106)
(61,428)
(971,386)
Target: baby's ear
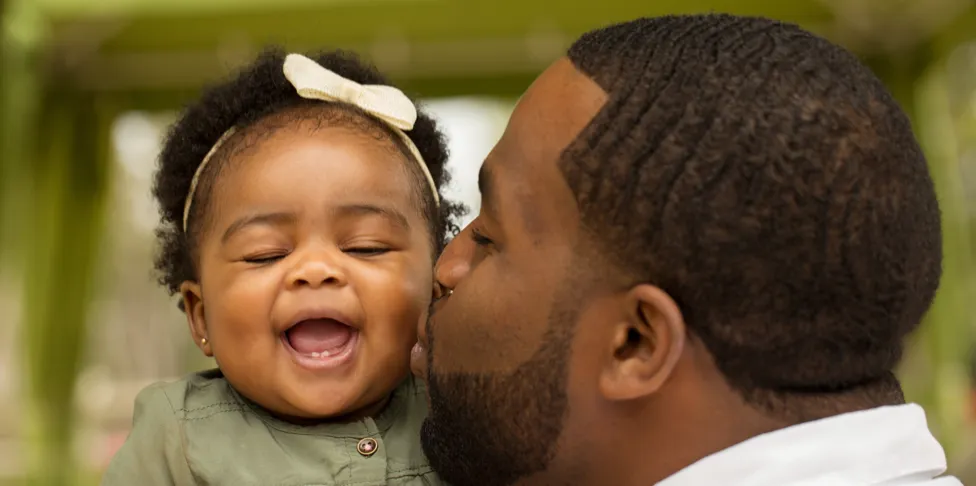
(192,306)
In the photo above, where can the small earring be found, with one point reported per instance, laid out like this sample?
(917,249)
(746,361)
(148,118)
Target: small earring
(203,342)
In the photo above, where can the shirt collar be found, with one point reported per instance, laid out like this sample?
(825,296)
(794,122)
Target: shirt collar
(859,448)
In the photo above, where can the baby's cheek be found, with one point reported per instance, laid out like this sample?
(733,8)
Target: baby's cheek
(399,315)
(413,289)
(410,308)
(395,297)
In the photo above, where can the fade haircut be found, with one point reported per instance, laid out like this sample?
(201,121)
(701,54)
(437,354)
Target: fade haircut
(768,182)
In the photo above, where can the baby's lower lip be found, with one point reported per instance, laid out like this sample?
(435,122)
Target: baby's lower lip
(326,360)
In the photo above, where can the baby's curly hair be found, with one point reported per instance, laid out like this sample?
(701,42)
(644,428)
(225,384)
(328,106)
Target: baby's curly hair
(256,103)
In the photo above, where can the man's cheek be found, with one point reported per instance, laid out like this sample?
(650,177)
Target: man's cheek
(461,342)
(484,341)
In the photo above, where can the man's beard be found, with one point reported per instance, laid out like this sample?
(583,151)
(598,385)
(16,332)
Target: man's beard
(491,429)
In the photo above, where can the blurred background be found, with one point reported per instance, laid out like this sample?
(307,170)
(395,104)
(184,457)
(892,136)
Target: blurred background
(89,86)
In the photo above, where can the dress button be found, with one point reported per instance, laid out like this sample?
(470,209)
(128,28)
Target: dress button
(367,447)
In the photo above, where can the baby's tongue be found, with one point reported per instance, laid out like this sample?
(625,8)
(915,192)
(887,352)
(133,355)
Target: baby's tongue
(318,335)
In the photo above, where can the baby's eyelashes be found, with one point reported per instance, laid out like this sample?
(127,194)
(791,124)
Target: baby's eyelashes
(264,259)
(367,250)
(356,251)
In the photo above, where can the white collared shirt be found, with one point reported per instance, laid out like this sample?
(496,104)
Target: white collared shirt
(884,446)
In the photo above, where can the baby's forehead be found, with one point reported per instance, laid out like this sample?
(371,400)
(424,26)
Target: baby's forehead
(309,172)
(310,121)
(337,160)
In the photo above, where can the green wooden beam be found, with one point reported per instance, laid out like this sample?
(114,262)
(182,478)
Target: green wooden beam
(87,8)
(355,23)
(483,86)
(156,47)
(961,30)
(438,15)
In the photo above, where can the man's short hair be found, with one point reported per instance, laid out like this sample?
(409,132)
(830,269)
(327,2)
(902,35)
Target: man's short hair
(768,182)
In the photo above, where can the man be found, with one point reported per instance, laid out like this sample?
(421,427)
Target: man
(701,242)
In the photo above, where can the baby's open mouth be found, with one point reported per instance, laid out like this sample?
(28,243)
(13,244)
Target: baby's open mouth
(320,343)
(318,337)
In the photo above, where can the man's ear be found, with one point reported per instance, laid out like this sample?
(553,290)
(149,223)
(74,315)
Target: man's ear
(195,315)
(647,343)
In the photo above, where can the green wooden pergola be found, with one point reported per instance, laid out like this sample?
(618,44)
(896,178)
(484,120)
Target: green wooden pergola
(71,66)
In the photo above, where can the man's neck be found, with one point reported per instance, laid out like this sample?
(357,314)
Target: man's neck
(645,451)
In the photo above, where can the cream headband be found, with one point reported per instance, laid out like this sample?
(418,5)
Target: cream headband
(315,82)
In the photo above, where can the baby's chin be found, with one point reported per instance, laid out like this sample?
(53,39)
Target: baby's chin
(360,388)
(308,411)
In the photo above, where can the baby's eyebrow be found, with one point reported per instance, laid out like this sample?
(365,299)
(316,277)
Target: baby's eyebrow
(390,213)
(277,218)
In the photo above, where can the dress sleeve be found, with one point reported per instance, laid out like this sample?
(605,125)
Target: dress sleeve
(153,454)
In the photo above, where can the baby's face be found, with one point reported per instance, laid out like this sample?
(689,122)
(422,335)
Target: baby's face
(315,268)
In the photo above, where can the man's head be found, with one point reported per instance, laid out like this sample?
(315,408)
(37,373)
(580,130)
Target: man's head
(694,229)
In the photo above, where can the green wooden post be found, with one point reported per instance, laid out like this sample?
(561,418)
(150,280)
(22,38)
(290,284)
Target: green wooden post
(946,333)
(932,374)
(22,31)
(69,191)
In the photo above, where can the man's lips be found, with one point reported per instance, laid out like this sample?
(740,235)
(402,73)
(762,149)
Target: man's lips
(418,354)
(418,360)
(434,308)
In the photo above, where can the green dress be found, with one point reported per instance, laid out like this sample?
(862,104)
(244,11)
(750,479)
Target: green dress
(199,431)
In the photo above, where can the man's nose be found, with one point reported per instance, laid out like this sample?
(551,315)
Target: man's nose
(454,264)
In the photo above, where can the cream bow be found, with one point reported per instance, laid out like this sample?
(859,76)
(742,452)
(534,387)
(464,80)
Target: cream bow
(314,82)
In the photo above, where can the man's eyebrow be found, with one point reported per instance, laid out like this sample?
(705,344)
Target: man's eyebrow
(389,213)
(486,185)
(257,219)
